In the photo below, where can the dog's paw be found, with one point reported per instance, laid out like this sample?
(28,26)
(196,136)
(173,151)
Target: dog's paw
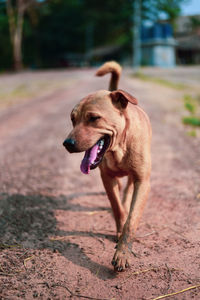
(120,260)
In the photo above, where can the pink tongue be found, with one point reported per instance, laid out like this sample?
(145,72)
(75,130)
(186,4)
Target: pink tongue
(89,158)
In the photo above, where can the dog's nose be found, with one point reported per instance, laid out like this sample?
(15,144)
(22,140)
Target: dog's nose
(70,145)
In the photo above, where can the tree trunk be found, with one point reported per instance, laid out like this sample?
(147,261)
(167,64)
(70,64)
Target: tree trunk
(16,27)
(17,42)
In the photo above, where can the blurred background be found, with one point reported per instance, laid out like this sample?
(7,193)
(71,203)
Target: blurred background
(74,33)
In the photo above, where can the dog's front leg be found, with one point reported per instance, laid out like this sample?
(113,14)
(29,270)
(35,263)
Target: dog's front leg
(111,185)
(124,247)
(128,194)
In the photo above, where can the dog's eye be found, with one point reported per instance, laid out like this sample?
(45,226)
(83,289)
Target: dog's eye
(94,118)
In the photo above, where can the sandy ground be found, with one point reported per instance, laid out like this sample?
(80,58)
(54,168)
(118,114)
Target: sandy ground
(57,233)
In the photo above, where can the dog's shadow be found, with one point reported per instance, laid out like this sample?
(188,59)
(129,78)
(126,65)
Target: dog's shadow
(31,218)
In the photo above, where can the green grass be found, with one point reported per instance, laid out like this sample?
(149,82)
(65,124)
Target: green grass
(29,88)
(164,82)
(21,90)
(190,104)
(193,121)
(192,133)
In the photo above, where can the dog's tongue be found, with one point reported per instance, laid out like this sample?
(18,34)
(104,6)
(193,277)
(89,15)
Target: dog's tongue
(89,158)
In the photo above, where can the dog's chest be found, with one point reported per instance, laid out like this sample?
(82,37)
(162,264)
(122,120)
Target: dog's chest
(114,162)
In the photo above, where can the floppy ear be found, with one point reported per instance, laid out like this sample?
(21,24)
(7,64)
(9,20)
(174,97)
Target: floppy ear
(122,98)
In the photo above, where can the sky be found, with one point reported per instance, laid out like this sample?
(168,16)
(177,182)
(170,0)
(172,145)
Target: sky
(191,7)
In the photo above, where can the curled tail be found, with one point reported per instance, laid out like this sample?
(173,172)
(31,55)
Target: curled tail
(115,70)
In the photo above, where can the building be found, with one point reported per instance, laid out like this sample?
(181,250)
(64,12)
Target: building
(187,35)
(158,45)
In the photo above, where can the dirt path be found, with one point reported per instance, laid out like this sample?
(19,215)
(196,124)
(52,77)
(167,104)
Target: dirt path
(56,228)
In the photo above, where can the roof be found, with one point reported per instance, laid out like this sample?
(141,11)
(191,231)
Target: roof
(184,24)
(190,41)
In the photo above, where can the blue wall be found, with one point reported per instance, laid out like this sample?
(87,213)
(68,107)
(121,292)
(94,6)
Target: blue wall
(156,31)
(158,45)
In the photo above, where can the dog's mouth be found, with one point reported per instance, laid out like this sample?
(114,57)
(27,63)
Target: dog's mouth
(94,155)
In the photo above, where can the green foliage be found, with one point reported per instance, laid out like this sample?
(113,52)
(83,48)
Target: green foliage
(192,133)
(195,22)
(194,121)
(190,104)
(111,20)
(170,8)
(190,107)
(5,44)
(164,82)
(60,29)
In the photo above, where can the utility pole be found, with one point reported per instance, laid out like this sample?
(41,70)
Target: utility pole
(136,33)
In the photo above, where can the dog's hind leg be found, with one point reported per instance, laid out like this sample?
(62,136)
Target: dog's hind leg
(111,185)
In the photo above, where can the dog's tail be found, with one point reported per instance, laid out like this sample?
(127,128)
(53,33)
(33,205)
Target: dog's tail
(115,69)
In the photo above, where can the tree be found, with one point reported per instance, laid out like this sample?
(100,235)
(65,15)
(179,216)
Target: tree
(195,22)
(170,8)
(5,45)
(15,11)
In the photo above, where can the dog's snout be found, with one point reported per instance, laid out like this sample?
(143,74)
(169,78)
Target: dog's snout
(70,145)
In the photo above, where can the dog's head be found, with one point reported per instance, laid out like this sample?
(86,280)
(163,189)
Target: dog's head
(98,122)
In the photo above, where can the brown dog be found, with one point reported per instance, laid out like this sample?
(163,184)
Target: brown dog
(115,134)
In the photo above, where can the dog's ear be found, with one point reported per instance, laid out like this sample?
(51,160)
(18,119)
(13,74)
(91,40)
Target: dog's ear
(122,98)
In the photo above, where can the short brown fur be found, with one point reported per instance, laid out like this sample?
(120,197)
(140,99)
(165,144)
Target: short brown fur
(127,155)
